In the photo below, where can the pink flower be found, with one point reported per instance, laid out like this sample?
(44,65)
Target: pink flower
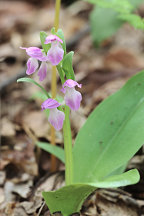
(56,117)
(72,97)
(36,53)
(32,64)
(42,71)
(56,52)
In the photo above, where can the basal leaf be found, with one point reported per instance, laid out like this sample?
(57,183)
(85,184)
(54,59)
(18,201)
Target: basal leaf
(124,179)
(29,80)
(112,134)
(67,66)
(69,199)
(55,150)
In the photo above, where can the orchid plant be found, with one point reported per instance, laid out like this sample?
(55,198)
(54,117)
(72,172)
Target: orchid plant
(112,134)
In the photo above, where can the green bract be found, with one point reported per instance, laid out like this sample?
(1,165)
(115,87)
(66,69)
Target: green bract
(67,66)
(43,36)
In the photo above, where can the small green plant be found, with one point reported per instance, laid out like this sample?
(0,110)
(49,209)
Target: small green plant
(112,134)
(109,15)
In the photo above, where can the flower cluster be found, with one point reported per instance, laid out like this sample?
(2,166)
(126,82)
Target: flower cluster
(54,55)
(72,99)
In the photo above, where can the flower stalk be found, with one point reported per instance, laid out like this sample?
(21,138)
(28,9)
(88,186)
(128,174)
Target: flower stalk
(53,85)
(68,148)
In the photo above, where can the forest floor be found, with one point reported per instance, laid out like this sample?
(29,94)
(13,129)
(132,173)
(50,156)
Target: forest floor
(24,174)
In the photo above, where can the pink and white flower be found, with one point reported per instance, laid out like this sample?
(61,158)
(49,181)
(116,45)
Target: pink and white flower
(56,52)
(72,97)
(42,71)
(32,64)
(56,117)
(54,55)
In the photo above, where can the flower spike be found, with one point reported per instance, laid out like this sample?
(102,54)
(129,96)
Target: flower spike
(72,97)
(56,117)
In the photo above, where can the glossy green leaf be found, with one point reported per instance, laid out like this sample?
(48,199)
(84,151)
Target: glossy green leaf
(60,34)
(29,80)
(124,179)
(55,150)
(43,36)
(67,66)
(104,23)
(69,199)
(112,134)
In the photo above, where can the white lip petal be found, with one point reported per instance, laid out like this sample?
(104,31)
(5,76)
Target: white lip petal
(56,118)
(55,54)
(72,98)
(42,71)
(32,65)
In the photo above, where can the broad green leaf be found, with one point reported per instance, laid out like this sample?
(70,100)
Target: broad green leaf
(55,150)
(112,134)
(43,36)
(119,170)
(104,23)
(60,34)
(69,199)
(124,179)
(29,80)
(67,66)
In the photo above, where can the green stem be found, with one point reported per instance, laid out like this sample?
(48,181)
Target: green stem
(53,84)
(68,148)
